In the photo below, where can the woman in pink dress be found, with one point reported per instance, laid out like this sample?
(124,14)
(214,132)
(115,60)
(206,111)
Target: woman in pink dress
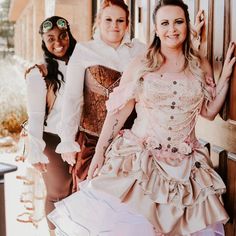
(156,178)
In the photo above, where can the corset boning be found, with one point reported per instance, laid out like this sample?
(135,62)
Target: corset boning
(99,83)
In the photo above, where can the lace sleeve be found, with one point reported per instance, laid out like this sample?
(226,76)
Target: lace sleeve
(120,96)
(128,88)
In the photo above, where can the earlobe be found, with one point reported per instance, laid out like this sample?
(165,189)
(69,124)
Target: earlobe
(156,33)
(98,21)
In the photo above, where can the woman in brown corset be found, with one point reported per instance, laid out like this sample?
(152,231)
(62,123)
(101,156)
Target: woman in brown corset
(93,71)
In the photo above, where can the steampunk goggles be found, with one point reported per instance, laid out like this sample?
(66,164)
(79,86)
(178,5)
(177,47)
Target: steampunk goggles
(60,23)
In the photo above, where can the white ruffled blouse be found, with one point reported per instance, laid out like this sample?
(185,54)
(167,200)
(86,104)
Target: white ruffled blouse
(93,52)
(36,103)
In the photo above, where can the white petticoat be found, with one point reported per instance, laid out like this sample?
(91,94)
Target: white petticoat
(93,213)
(89,213)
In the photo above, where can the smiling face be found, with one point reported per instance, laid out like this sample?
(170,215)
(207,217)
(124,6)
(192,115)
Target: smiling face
(113,25)
(57,42)
(171,26)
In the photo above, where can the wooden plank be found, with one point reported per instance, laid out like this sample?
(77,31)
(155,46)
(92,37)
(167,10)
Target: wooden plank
(224,112)
(232,203)
(206,43)
(227,169)
(223,166)
(218,37)
(231,193)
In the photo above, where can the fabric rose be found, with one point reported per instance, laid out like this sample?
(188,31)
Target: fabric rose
(184,148)
(151,143)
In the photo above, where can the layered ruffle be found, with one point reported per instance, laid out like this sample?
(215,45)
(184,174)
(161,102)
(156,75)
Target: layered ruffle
(35,147)
(120,96)
(65,147)
(133,186)
(173,202)
(98,214)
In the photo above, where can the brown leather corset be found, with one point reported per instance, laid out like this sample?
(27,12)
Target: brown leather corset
(99,83)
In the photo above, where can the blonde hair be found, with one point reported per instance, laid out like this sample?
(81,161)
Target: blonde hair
(107,3)
(154,59)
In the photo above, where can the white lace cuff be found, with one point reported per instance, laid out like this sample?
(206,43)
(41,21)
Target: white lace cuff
(35,150)
(68,146)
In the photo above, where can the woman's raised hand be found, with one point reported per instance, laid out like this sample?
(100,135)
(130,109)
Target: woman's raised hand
(199,22)
(229,62)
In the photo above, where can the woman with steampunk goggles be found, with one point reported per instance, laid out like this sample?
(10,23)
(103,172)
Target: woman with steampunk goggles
(45,88)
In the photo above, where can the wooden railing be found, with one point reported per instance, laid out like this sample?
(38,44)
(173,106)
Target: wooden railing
(227,171)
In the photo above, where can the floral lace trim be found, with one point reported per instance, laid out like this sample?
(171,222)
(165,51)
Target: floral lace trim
(173,155)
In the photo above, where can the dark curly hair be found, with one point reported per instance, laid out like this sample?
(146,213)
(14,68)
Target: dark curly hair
(55,77)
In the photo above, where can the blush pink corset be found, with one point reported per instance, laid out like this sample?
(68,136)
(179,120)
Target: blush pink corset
(167,107)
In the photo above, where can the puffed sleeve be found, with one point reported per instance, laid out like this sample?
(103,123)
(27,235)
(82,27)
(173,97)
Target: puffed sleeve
(36,103)
(120,96)
(209,89)
(138,47)
(128,88)
(72,104)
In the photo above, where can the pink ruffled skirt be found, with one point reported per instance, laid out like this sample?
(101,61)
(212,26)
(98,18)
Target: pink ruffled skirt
(137,194)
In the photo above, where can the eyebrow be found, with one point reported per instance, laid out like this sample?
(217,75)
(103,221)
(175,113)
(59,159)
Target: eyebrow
(121,17)
(49,35)
(52,35)
(180,18)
